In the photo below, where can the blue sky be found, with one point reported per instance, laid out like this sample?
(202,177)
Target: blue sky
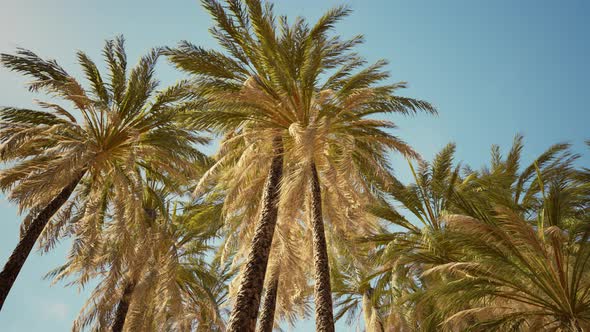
(493,69)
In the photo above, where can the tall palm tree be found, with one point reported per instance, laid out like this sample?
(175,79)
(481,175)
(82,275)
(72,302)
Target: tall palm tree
(266,84)
(341,147)
(121,129)
(249,59)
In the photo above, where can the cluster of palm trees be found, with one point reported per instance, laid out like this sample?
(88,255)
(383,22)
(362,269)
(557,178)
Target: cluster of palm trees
(298,204)
(504,248)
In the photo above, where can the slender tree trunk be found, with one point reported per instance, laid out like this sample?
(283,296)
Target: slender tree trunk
(324,317)
(27,242)
(269,304)
(123,307)
(243,316)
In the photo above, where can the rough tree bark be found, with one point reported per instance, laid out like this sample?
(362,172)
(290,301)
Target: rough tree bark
(27,242)
(243,316)
(269,304)
(324,317)
(123,307)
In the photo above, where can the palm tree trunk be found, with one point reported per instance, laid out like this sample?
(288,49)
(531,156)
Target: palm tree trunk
(27,242)
(324,317)
(269,304)
(123,307)
(243,316)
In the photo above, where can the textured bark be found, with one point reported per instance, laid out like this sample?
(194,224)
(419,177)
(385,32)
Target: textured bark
(27,242)
(243,316)
(123,308)
(269,304)
(324,317)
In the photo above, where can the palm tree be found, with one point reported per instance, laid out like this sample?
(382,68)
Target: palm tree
(420,244)
(506,182)
(381,281)
(428,199)
(520,276)
(524,262)
(268,84)
(119,132)
(352,271)
(131,295)
(440,191)
(350,151)
(246,40)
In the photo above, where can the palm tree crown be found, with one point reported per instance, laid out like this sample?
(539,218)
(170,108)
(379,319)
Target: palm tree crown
(121,129)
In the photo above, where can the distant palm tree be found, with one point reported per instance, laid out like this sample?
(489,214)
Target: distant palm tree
(121,130)
(505,181)
(415,257)
(413,243)
(354,292)
(518,276)
(524,265)
(131,294)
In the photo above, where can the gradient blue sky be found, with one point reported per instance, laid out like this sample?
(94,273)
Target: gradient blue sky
(493,69)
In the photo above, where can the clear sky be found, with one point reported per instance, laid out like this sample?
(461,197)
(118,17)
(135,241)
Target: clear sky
(493,69)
